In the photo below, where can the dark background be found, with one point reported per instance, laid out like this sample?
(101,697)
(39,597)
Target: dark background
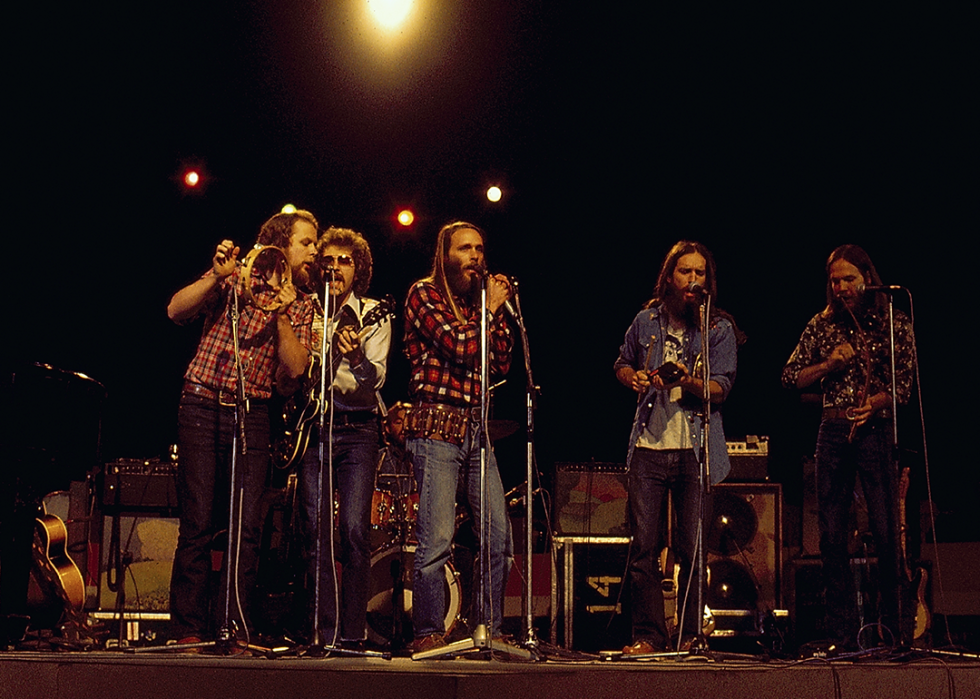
(770,135)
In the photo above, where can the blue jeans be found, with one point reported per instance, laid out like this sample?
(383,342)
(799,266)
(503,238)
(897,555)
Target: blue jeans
(439,467)
(837,464)
(355,459)
(652,475)
(205,431)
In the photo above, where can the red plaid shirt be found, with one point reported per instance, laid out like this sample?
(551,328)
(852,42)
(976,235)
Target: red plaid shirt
(444,353)
(214,363)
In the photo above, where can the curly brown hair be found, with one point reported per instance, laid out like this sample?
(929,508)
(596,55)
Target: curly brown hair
(363,262)
(278,230)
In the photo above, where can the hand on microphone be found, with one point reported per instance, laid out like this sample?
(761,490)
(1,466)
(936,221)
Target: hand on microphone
(499,293)
(225,258)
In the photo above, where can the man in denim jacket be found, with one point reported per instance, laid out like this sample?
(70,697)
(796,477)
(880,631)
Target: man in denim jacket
(660,359)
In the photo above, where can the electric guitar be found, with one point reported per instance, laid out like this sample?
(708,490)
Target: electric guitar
(302,409)
(923,618)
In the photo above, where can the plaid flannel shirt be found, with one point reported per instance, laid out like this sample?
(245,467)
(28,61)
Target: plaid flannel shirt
(444,353)
(213,364)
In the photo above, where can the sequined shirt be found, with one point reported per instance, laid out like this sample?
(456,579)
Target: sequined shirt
(845,388)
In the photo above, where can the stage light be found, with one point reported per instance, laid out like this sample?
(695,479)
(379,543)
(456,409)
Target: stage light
(288,209)
(192,178)
(390,13)
(494,194)
(406,217)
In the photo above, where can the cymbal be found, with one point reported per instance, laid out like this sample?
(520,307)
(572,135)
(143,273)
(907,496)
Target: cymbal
(498,429)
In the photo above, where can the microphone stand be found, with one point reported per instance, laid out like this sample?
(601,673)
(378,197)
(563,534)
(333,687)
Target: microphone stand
(227,640)
(480,640)
(700,644)
(325,463)
(530,639)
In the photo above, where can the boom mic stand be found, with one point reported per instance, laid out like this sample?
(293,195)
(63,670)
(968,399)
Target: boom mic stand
(530,639)
(480,640)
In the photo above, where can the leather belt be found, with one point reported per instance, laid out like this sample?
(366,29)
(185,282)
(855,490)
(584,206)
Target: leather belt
(225,398)
(842,414)
(353,417)
(445,423)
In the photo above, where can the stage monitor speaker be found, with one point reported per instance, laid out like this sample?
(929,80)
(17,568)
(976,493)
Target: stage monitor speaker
(590,499)
(146,548)
(744,545)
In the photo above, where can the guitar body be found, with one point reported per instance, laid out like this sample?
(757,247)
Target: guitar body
(303,408)
(56,566)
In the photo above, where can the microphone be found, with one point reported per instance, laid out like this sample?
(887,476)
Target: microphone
(696,288)
(887,288)
(485,273)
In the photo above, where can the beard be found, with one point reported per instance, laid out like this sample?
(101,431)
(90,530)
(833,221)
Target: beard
(462,285)
(682,310)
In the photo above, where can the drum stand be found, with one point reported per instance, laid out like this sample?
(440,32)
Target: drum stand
(481,640)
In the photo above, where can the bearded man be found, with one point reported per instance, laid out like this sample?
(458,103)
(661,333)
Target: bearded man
(443,429)
(659,360)
(846,348)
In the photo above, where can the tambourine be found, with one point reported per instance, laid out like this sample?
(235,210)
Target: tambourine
(265,272)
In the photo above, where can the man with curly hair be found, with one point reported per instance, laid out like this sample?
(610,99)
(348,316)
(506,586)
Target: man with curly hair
(358,336)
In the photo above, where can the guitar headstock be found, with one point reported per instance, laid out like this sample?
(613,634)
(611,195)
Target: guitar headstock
(384,309)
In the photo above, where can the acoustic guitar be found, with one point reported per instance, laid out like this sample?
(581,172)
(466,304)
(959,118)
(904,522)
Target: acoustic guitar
(57,568)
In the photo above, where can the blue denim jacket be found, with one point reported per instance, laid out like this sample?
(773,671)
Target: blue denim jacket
(651,325)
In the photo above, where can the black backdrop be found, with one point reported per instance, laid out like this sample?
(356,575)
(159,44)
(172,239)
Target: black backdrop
(770,137)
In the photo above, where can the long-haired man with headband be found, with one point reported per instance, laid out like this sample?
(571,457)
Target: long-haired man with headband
(443,430)
(845,347)
(207,429)
(344,267)
(665,448)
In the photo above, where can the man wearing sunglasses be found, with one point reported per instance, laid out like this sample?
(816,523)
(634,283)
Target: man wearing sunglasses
(357,342)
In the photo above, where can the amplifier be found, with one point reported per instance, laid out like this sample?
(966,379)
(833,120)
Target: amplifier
(141,485)
(590,499)
(750,460)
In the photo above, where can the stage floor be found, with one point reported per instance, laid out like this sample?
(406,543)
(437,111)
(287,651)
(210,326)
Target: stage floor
(125,675)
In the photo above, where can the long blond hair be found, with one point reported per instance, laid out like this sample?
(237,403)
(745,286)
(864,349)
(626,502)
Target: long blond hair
(438,275)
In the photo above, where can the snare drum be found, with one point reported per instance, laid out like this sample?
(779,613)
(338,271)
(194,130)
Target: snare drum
(393,565)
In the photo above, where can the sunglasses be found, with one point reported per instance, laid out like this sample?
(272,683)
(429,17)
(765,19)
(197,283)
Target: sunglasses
(339,260)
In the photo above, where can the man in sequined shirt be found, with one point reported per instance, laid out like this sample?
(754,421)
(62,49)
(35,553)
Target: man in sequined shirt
(846,348)
(443,430)
(207,427)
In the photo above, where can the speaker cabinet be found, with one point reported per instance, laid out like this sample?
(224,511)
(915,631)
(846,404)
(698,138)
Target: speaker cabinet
(590,499)
(137,558)
(590,593)
(744,545)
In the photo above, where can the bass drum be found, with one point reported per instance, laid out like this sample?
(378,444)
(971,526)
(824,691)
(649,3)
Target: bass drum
(393,568)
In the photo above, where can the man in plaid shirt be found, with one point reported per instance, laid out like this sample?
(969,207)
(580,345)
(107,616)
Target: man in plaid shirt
(207,425)
(442,341)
